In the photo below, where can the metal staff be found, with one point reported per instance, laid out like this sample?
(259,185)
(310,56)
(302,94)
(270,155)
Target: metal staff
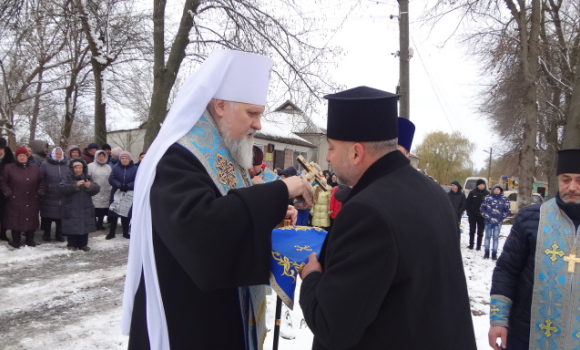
(277,323)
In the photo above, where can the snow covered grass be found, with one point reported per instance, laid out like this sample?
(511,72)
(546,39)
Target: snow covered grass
(56,299)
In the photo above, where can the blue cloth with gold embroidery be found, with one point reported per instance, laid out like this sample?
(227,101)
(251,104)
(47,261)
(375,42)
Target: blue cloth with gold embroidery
(291,246)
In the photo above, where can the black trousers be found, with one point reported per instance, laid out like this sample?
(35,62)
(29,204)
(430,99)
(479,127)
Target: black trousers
(125,221)
(46,225)
(479,222)
(100,215)
(77,240)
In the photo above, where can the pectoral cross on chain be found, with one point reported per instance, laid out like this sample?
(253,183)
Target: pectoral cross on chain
(572,260)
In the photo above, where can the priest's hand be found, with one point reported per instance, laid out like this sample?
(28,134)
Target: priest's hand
(312,265)
(292,213)
(298,187)
(497,332)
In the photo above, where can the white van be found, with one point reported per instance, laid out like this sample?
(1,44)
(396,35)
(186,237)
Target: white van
(470,184)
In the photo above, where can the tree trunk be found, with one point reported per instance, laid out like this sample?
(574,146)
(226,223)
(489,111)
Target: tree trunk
(529,55)
(100,107)
(552,142)
(98,69)
(36,110)
(165,74)
(572,129)
(69,105)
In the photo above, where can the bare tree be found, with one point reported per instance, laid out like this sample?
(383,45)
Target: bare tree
(30,50)
(251,26)
(112,29)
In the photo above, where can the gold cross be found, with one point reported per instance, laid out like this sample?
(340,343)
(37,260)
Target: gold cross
(554,252)
(572,260)
(548,328)
(299,248)
(495,310)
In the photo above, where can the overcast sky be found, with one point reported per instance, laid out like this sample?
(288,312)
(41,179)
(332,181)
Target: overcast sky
(444,78)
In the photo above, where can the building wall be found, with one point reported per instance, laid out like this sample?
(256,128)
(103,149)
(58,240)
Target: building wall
(288,150)
(319,153)
(131,141)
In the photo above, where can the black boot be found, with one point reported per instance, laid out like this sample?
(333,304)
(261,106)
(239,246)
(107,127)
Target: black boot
(111,234)
(126,231)
(46,226)
(486,255)
(493,256)
(30,239)
(470,246)
(479,239)
(58,237)
(3,236)
(15,239)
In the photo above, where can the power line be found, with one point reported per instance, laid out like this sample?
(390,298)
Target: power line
(431,82)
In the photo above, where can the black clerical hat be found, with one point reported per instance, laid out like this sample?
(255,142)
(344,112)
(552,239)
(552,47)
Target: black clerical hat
(406,133)
(362,114)
(568,161)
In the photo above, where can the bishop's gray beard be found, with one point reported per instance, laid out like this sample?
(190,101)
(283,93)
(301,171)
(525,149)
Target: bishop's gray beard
(240,150)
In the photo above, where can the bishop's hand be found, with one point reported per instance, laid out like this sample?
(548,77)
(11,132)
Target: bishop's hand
(298,187)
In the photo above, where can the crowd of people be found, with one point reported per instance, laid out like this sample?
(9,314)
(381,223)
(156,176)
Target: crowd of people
(486,212)
(73,189)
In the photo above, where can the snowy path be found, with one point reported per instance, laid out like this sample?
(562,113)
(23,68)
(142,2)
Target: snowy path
(56,299)
(51,298)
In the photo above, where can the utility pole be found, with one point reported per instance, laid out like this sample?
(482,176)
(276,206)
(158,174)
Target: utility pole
(404,57)
(489,166)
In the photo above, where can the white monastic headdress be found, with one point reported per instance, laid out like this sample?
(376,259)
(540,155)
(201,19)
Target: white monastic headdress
(228,75)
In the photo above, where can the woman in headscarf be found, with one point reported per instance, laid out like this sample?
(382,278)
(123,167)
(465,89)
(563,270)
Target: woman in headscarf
(54,170)
(122,179)
(100,172)
(78,219)
(22,185)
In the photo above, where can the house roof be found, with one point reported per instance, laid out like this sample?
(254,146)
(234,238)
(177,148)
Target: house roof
(289,117)
(278,132)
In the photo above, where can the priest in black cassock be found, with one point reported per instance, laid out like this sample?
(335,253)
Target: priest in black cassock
(390,274)
(201,238)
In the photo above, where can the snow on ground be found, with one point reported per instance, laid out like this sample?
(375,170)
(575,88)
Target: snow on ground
(52,298)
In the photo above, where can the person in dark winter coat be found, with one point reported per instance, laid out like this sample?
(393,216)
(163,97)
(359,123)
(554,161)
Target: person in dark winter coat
(107,149)
(141,156)
(22,185)
(88,154)
(54,170)
(100,172)
(39,149)
(457,199)
(78,219)
(31,159)
(476,220)
(122,179)
(495,208)
(6,157)
(535,289)
(385,279)
(73,151)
